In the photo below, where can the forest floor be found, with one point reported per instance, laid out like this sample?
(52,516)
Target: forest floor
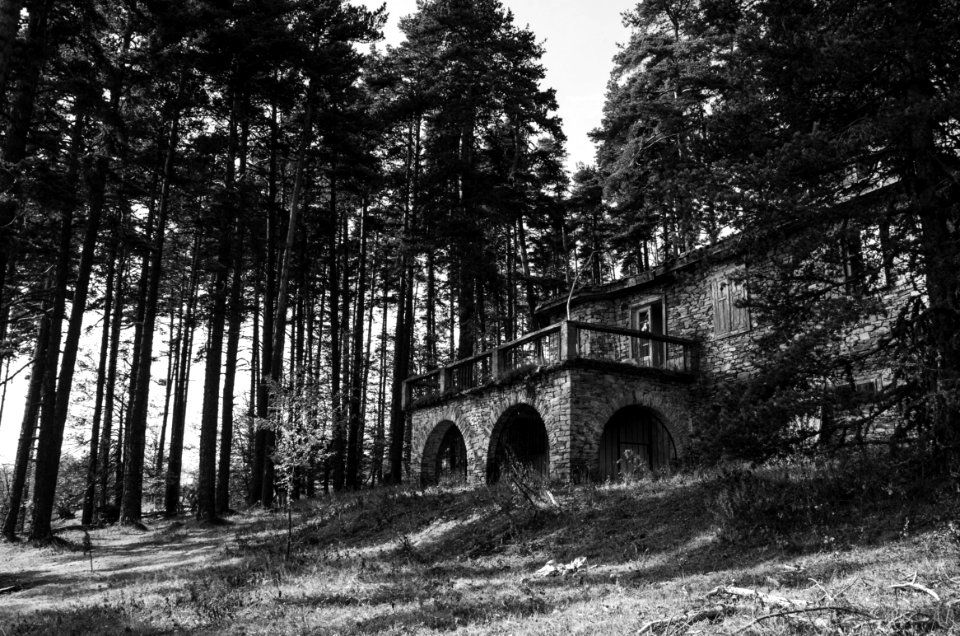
(786,549)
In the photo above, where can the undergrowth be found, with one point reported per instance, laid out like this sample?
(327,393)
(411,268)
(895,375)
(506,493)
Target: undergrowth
(865,542)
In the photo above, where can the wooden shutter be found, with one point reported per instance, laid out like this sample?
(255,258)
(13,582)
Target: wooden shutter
(721,306)
(740,315)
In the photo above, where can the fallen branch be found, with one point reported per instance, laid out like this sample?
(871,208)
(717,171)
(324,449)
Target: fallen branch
(767,599)
(710,613)
(917,587)
(825,608)
(10,589)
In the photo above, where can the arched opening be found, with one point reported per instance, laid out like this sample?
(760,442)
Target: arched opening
(635,441)
(519,442)
(444,456)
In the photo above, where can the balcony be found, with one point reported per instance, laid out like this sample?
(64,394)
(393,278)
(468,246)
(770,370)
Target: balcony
(564,342)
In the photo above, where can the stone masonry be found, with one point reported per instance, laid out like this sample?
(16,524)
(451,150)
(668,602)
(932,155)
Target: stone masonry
(575,401)
(576,397)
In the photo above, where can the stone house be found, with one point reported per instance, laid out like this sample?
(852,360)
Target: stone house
(610,384)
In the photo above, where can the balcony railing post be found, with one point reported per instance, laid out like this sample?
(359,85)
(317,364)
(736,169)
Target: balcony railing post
(568,340)
(498,363)
(406,395)
(445,380)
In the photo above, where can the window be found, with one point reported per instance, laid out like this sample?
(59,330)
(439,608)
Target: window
(729,316)
(648,317)
(858,392)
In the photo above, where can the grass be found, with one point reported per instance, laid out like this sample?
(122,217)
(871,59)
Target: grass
(832,534)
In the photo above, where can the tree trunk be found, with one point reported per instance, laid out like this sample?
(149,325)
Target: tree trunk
(206,472)
(229,377)
(136,439)
(108,409)
(379,433)
(401,370)
(279,320)
(28,426)
(430,338)
(48,443)
(354,443)
(92,468)
(263,469)
(173,346)
(339,318)
(527,278)
(50,440)
(171,499)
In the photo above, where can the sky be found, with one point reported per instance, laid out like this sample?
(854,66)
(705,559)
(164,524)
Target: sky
(579,40)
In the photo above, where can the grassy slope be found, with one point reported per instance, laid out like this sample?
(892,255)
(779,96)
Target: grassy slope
(464,561)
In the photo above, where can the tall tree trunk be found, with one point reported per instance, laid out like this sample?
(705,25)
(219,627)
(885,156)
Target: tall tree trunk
(404,322)
(173,356)
(379,441)
(28,425)
(367,362)
(206,484)
(339,309)
(171,499)
(108,409)
(229,377)
(50,441)
(92,467)
(206,473)
(250,455)
(263,469)
(354,443)
(527,278)
(280,314)
(430,338)
(130,510)
(401,369)
(119,455)
(48,445)
(468,258)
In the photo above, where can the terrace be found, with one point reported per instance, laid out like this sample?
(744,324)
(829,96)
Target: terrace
(563,342)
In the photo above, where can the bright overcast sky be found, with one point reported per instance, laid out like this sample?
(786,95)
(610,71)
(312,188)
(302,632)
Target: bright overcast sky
(580,39)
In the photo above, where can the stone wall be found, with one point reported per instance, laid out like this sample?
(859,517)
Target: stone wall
(574,401)
(689,311)
(685,291)
(478,416)
(597,396)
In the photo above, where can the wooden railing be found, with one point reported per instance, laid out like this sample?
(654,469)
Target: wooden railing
(469,373)
(567,340)
(421,386)
(537,348)
(640,348)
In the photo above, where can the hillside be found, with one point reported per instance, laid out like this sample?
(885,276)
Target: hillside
(815,549)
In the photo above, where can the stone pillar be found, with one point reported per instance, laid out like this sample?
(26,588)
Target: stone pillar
(569,337)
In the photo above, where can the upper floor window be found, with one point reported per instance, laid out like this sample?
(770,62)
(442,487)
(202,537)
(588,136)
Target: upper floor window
(648,316)
(730,316)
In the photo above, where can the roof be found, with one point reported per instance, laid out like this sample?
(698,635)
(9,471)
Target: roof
(723,248)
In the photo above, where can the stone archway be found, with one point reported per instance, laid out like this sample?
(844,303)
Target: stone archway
(634,440)
(519,439)
(444,458)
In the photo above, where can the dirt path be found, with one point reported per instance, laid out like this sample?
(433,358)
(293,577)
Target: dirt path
(121,558)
